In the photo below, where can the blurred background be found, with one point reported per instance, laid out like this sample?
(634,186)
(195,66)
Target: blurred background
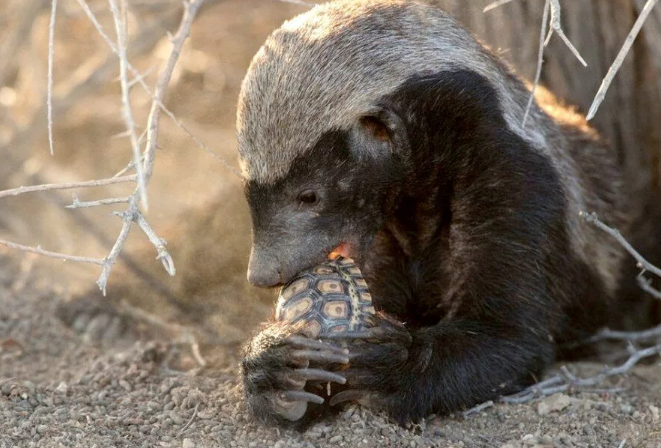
(196,203)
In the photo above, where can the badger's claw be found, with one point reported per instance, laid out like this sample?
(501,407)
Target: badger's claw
(347,395)
(319,375)
(303,342)
(301,395)
(320,356)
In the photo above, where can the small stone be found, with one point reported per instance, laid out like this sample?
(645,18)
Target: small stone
(335,439)
(554,403)
(62,388)
(41,429)
(188,443)
(626,409)
(176,418)
(125,385)
(655,413)
(589,431)
(279,444)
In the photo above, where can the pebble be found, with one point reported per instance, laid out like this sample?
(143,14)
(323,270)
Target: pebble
(176,418)
(554,403)
(188,443)
(655,413)
(626,409)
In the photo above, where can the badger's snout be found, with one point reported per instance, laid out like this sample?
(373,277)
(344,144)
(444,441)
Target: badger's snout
(275,264)
(264,270)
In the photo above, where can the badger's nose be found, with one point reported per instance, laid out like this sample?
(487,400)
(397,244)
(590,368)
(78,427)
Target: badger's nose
(263,271)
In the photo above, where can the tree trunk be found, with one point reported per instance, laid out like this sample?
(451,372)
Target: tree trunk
(630,116)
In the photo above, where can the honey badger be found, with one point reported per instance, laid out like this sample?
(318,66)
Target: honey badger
(385,129)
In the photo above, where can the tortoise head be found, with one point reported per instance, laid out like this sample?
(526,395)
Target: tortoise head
(334,194)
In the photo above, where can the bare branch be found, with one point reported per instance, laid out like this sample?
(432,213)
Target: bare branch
(38,250)
(540,61)
(479,408)
(78,204)
(127,114)
(608,334)
(619,59)
(646,285)
(159,244)
(556,26)
(565,380)
(178,40)
(133,212)
(495,5)
(642,262)
(128,217)
(68,186)
(49,89)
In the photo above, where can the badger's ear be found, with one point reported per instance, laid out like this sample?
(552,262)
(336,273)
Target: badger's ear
(377,135)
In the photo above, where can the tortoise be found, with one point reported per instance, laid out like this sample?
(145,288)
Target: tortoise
(329,298)
(332,297)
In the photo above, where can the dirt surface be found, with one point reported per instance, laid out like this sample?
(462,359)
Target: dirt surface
(58,388)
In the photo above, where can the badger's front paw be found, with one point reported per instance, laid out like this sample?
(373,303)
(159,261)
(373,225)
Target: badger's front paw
(385,362)
(284,372)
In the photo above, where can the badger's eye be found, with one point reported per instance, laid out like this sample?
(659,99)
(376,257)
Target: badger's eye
(308,197)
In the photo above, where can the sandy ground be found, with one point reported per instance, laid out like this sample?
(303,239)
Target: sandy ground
(61,388)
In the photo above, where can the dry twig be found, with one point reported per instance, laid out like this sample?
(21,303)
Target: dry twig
(565,380)
(39,251)
(619,59)
(540,61)
(49,90)
(495,5)
(555,26)
(642,263)
(614,335)
(127,114)
(68,186)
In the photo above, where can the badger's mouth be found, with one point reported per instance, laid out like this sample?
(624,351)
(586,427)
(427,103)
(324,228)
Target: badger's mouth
(345,250)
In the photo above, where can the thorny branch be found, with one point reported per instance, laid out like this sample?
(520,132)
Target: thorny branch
(540,61)
(49,90)
(565,380)
(619,59)
(644,265)
(143,165)
(69,186)
(555,26)
(127,114)
(38,250)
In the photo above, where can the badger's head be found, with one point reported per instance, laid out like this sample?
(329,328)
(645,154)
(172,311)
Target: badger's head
(323,154)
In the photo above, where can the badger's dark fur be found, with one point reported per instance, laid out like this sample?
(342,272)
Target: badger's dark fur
(385,126)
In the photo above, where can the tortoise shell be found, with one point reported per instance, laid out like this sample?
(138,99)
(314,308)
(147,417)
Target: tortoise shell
(330,297)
